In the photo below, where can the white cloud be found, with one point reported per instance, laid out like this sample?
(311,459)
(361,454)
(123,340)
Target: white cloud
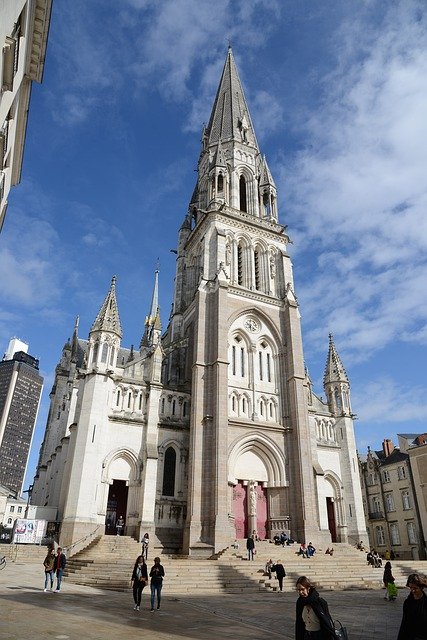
(384,401)
(359,193)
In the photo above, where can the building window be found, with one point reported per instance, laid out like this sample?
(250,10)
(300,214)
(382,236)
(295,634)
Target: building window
(19,509)
(163,406)
(412,533)
(220,183)
(386,476)
(389,502)
(233,360)
(379,533)
(376,504)
(184,409)
(401,473)
(173,407)
(394,534)
(242,194)
(169,468)
(268,368)
(257,260)
(12,508)
(118,398)
(9,521)
(104,353)
(239,264)
(260,364)
(406,500)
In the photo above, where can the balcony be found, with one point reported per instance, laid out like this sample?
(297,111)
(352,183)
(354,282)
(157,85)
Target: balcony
(376,515)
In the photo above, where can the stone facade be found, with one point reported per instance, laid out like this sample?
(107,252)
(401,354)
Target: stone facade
(390,502)
(211,430)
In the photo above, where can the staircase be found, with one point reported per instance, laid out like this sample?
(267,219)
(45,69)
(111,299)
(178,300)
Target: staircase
(107,563)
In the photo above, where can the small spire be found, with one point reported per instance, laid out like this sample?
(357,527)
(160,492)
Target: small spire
(108,318)
(152,321)
(334,369)
(75,342)
(266,179)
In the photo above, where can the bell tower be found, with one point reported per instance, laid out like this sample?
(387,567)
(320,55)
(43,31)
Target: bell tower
(234,341)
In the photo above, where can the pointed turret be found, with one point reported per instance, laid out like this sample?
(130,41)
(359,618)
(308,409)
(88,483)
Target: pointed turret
(75,341)
(230,118)
(268,191)
(334,369)
(152,321)
(108,317)
(106,333)
(336,383)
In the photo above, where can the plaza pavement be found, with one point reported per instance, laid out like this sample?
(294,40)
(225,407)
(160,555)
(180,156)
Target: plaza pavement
(84,613)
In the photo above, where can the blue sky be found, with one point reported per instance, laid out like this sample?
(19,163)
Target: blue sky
(338,97)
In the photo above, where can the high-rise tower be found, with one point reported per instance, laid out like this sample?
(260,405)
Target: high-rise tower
(20,391)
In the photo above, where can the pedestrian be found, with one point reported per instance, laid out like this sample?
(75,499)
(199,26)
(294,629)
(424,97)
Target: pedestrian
(414,620)
(279,569)
(59,565)
(250,546)
(156,574)
(388,579)
(145,542)
(313,620)
(139,579)
(49,572)
(119,526)
(269,568)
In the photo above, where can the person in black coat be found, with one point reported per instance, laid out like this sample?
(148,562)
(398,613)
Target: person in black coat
(250,546)
(139,580)
(58,567)
(414,620)
(279,569)
(313,620)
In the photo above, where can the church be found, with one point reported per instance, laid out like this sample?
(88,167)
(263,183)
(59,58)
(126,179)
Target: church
(211,430)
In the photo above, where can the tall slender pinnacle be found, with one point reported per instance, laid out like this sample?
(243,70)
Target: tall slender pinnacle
(152,321)
(108,318)
(334,369)
(230,118)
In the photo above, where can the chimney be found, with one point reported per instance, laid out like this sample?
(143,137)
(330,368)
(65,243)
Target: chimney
(388,447)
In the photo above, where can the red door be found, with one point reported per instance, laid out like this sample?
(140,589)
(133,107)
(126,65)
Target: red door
(261,512)
(331,519)
(240,510)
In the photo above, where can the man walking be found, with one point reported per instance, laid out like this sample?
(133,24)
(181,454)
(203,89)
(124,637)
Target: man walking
(58,568)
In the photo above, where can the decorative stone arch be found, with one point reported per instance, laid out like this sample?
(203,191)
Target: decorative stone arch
(275,335)
(181,454)
(130,457)
(333,480)
(269,453)
(248,200)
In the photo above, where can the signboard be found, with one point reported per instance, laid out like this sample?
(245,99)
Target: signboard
(29,531)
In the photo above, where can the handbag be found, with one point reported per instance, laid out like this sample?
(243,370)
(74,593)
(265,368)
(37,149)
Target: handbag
(391,589)
(341,633)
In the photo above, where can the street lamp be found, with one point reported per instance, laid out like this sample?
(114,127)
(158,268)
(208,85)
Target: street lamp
(28,491)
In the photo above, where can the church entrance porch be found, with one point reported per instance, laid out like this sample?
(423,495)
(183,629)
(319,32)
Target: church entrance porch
(250,509)
(116,505)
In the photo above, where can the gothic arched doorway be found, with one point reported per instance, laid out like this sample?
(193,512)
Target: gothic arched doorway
(116,505)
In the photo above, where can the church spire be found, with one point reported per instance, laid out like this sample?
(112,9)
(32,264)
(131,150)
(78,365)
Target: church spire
(153,325)
(108,317)
(334,369)
(230,118)
(75,341)
(336,383)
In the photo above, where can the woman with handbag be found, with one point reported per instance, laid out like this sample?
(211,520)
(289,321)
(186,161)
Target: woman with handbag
(414,620)
(388,579)
(139,580)
(313,620)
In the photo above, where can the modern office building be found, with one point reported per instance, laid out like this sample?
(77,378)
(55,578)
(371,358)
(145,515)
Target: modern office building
(24,27)
(211,430)
(20,391)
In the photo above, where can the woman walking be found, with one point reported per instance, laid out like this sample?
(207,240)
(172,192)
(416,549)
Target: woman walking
(414,620)
(139,580)
(49,572)
(313,621)
(156,574)
(388,579)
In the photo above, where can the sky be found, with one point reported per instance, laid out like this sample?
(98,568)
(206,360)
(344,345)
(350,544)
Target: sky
(337,92)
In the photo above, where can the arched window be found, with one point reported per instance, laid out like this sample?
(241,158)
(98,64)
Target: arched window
(162,410)
(104,354)
(118,398)
(173,406)
(129,399)
(242,194)
(112,354)
(95,353)
(184,409)
(266,203)
(140,402)
(257,265)
(338,402)
(169,468)
(239,264)
(220,183)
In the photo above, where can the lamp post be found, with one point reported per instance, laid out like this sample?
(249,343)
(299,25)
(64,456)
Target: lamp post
(28,491)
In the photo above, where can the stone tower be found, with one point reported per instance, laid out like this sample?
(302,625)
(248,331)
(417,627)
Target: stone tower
(234,341)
